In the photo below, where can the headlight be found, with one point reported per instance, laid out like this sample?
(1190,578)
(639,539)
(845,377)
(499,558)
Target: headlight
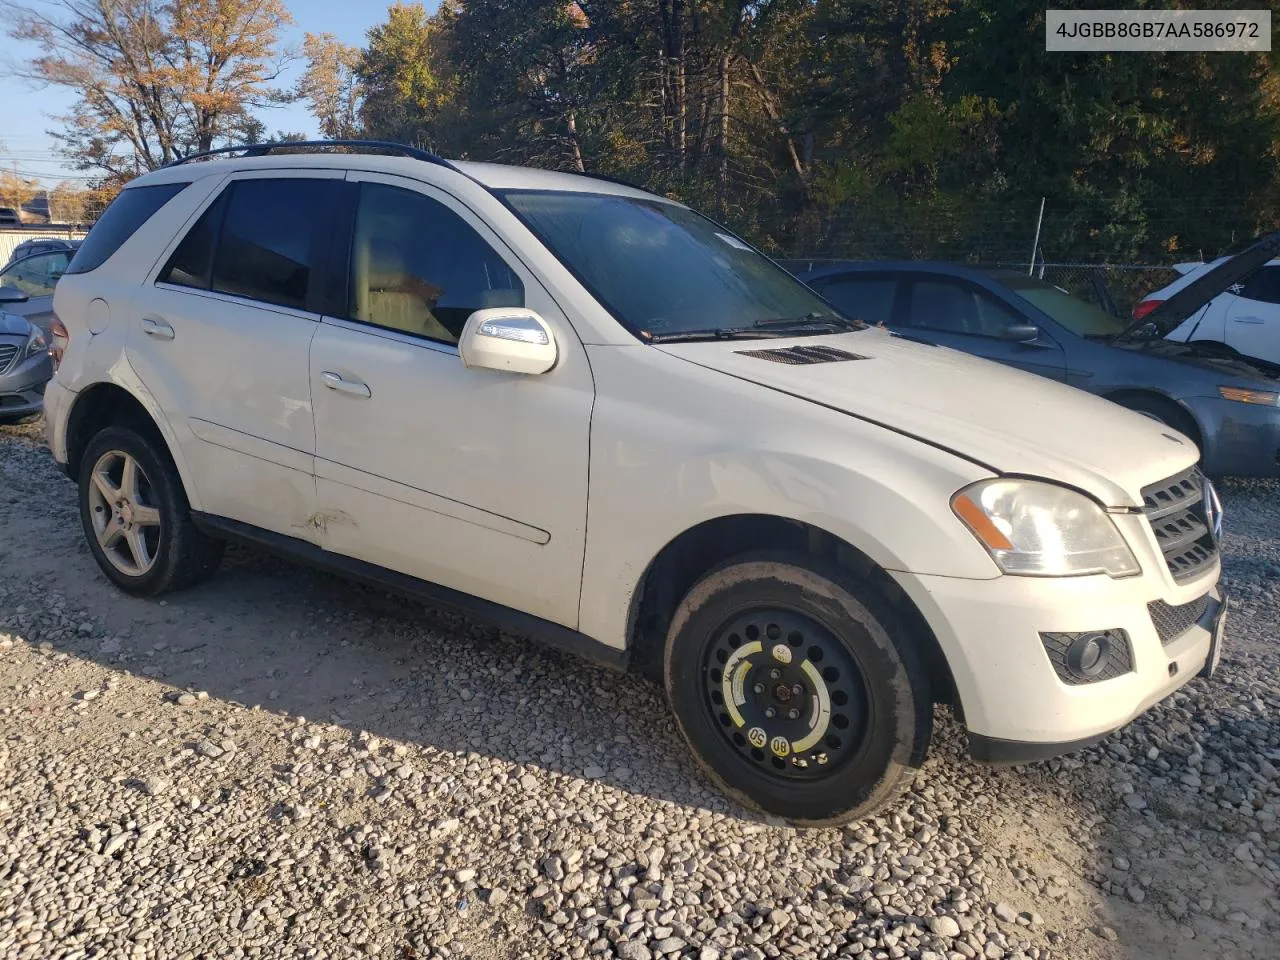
(36,343)
(1039,529)
(1241,394)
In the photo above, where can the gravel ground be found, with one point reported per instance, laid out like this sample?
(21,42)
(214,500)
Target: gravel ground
(281,764)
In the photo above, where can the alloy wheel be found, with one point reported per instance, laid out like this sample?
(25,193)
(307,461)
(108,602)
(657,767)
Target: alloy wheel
(126,520)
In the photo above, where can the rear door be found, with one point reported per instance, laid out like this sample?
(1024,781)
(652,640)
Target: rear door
(957,313)
(1252,315)
(221,338)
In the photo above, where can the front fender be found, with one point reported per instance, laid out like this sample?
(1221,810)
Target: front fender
(668,459)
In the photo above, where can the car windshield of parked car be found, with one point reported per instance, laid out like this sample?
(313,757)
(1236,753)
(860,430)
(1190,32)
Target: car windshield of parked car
(664,271)
(1079,316)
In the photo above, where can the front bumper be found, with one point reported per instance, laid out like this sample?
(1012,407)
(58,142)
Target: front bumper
(22,387)
(1015,705)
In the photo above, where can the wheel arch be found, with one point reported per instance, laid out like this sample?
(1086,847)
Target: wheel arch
(107,403)
(690,554)
(1161,399)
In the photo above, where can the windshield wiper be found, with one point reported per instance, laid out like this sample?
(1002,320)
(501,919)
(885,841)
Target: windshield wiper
(813,323)
(718,333)
(809,321)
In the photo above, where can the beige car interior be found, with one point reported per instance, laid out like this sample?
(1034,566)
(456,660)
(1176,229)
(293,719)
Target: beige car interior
(386,292)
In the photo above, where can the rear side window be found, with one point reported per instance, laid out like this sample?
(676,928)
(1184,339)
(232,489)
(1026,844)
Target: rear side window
(192,263)
(1263,285)
(270,239)
(127,212)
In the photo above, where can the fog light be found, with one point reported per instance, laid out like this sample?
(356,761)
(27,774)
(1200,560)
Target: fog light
(1088,657)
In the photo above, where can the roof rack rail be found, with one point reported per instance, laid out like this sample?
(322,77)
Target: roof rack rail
(262,149)
(609,178)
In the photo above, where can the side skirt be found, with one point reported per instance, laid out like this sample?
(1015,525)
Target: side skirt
(430,594)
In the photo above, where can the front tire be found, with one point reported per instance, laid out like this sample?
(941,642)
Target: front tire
(137,519)
(799,692)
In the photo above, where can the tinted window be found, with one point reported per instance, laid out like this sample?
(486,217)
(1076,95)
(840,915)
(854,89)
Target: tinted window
(1263,285)
(191,264)
(869,299)
(269,239)
(661,268)
(417,267)
(952,306)
(132,208)
(36,275)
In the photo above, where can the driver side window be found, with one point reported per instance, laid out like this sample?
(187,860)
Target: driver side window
(953,307)
(419,268)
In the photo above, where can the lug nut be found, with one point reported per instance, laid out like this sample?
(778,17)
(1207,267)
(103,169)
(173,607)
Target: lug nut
(770,713)
(774,674)
(793,715)
(758,688)
(797,689)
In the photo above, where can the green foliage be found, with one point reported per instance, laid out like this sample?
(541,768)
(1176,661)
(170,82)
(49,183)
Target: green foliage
(848,127)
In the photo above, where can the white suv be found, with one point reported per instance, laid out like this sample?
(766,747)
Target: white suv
(595,416)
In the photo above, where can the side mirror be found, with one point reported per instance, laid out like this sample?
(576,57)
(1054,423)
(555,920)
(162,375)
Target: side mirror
(12,295)
(1021,332)
(510,339)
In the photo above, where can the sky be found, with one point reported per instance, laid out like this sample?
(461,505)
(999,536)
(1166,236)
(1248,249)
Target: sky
(25,110)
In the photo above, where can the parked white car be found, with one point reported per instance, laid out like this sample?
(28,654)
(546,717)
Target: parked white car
(595,416)
(1246,317)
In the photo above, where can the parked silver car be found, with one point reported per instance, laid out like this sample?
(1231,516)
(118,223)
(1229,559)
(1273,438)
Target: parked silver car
(25,363)
(35,276)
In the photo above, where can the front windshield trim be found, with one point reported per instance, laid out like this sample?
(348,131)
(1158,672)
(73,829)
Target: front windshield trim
(646,337)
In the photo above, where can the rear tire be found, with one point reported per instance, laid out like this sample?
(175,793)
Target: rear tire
(798,690)
(137,519)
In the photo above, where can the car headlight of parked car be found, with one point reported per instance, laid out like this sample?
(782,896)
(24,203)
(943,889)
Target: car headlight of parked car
(1038,529)
(1267,398)
(36,343)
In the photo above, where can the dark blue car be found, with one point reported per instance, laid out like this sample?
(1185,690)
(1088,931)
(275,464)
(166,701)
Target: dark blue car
(1229,406)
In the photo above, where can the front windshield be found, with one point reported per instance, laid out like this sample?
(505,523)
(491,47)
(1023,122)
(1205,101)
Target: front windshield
(662,269)
(1079,316)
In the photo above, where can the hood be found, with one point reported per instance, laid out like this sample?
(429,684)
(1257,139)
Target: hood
(1004,419)
(1183,303)
(13,325)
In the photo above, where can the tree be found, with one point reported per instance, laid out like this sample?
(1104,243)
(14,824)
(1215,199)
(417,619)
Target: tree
(72,203)
(15,191)
(401,92)
(331,86)
(154,79)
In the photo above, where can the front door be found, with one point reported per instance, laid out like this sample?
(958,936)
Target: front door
(221,340)
(473,479)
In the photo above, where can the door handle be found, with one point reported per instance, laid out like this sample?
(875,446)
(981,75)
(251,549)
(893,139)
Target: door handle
(352,388)
(157,328)
(1248,320)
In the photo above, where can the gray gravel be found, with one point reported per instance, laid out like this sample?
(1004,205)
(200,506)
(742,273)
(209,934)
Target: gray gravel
(282,764)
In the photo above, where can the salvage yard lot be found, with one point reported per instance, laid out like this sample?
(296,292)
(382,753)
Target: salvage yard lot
(282,764)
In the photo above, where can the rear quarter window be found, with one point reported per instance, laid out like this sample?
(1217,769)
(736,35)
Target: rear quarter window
(127,212)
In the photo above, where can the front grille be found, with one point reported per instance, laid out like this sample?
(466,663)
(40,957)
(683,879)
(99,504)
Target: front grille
(1177,512)
(803,355)
(1172,622)
(7,352)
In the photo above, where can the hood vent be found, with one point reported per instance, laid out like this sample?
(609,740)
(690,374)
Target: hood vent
(802,355)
